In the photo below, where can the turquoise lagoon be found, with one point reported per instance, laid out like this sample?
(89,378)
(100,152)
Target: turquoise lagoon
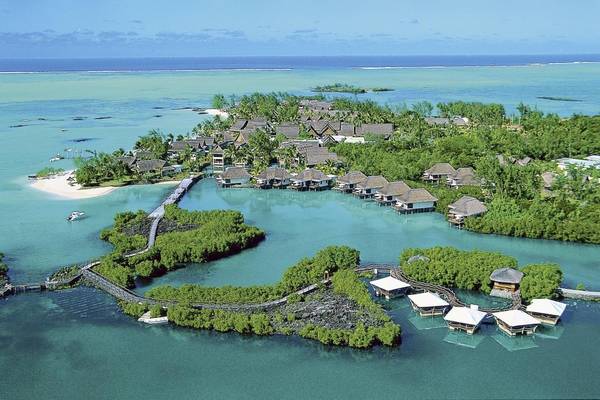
(76,343)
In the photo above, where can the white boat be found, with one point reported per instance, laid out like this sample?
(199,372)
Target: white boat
(75,215)
(57,157)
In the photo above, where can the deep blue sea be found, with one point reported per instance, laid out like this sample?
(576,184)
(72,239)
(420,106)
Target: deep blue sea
(315,62)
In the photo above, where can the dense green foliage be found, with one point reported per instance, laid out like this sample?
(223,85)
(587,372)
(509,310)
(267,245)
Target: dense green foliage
(199,236)
(304,273)
(135,310)
(221,320)
(451,267)
(49,171)
(346,88)
(479,113)
(471,270)
(540,281)
(517,206)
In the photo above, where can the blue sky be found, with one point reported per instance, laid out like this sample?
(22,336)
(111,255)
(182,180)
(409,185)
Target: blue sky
(134,28)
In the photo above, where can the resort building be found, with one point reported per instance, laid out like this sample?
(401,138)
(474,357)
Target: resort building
(415,200)
(390,287)
(367,188)
(315,105)
(289,130)
(438,172)
(348,182)
(463,177)
(218,159)
(506,279)
(233,176)
(428,304)
(546,310)
(149,166)
(310,179)
(465,207)
(390,192)
(273,177)
(516,322)
(384,130)
(466,319)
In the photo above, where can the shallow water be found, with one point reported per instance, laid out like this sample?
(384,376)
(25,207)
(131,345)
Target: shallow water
(78,342)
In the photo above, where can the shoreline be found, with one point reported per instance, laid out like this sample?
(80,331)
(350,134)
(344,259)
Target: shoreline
(216,112)
(59,186)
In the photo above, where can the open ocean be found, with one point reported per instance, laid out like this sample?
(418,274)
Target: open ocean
(76,343)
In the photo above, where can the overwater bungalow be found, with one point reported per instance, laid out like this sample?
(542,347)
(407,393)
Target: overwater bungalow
(389,287)
(233,176)
(546,310)
(463,177)
(273,177)
(516,322)
(348,182)
(367,188)
(428,304)
(390,192)
(438,172)
(465,207)
(466,319)
(506,279)
(310,179)
(415,200)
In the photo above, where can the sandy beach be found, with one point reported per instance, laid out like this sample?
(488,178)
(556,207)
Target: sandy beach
(59,185)
(216,111)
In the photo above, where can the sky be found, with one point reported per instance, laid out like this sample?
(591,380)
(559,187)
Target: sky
(197,28)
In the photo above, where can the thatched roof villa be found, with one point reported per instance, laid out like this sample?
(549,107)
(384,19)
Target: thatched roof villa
(310,179)
(506,279)
(348,182)
(390,192)
(438,172)
(273,177)
(367,188)
(415,200)
(465,207)
(463,177)
(233,176)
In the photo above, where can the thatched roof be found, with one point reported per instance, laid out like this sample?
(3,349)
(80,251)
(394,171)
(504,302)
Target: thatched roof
(465,176)
(272,173)
(548,178)
(312,159)
(467,206)
(149,165)
(375,129)
(373,182)
(417,196)
(235,173)
(441,169)
(127,160)
(290,131)
(310,174)
(396,188)
(506,275)
(352,178)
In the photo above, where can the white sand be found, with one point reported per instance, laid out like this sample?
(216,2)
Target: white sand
(59,186)
(216,111)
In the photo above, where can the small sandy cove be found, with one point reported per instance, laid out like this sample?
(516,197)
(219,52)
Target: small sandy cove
(215,111)
(59,185)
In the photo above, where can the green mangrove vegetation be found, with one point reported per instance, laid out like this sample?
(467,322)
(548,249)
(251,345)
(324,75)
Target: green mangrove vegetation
(347,299)
(450,267)
(185,237)
(48,171)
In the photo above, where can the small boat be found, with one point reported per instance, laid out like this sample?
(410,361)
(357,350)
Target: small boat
(57,157)
(75,215)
